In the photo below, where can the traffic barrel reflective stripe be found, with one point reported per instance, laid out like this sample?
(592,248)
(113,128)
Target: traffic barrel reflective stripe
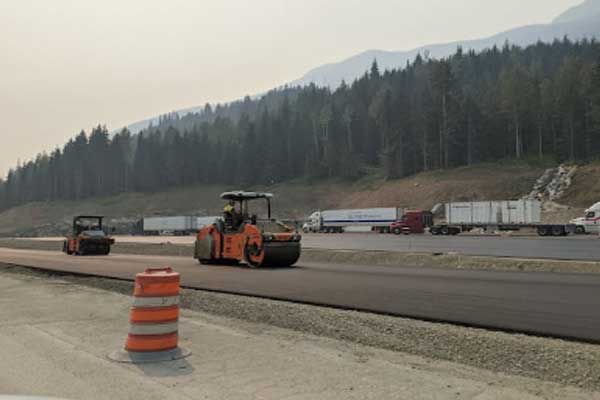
(151,343)
(154,315)
(153,329)
(141,302)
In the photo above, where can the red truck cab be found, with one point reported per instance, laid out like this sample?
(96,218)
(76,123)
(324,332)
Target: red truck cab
(413,221)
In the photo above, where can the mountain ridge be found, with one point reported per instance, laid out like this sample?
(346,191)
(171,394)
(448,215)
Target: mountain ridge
(575,28)
(576,23)
(589,8)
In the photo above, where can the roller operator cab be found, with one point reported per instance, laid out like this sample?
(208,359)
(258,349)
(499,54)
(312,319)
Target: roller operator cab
(88,237)
(241,236)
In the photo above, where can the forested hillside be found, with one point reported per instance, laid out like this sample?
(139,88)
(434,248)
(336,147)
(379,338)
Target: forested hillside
(542,101)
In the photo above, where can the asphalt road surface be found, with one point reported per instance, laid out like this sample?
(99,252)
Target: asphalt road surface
(561,305)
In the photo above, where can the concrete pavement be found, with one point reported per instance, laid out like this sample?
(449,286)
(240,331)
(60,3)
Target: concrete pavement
(55,335)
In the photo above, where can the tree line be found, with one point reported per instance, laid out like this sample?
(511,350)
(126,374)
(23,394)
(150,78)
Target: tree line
(541,101)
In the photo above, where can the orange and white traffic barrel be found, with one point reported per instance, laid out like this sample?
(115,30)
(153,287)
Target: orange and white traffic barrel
(154,318)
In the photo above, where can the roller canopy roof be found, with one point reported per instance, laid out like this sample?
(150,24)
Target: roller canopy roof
(241,195)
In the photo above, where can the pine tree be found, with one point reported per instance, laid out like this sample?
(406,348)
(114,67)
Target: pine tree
(595,100)
(375,70)
(442,81)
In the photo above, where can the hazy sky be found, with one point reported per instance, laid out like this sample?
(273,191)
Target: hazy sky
(67,65)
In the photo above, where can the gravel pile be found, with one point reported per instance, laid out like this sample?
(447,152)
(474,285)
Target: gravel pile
(563,362)
(553,183)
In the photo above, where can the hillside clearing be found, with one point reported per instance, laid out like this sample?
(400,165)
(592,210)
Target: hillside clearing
(295,200)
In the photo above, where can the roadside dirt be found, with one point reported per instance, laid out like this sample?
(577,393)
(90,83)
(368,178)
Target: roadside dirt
(585,187)
(293,200)
(484,182)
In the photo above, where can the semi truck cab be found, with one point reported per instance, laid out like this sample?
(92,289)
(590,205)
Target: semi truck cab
(413,221)
(590,222)
(313,224)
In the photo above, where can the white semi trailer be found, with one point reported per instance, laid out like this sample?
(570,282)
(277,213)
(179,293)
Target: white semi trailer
(337,221)
(201,222)
(497,216)
(179,225)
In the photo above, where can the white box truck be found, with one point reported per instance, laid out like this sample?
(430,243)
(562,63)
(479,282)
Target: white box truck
(201,222)
(337,221)
(179,225)
(508,215)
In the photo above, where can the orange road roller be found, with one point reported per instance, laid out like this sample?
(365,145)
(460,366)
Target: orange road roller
(242,236)
(88,237)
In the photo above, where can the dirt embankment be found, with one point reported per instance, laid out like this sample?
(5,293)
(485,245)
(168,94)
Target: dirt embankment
(482,182)
(295,200)
(585,187)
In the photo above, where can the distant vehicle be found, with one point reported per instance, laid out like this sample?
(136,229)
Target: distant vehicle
(499,216)
(174,226)
(413,221)
(590,222)
(337,221)
(245,237)
(201,222)
(87,237)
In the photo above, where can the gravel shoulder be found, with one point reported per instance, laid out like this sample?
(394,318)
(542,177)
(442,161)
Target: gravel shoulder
(389,258)
(561,362)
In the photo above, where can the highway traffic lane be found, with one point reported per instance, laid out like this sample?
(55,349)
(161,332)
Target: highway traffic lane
(560,248)
(562,305)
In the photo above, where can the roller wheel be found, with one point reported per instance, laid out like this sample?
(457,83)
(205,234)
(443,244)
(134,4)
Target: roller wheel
(249,251)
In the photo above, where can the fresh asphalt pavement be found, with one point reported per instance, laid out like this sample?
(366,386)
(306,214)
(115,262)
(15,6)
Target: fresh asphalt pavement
(560,305)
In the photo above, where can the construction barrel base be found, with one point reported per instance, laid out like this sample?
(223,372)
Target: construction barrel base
(144,357)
